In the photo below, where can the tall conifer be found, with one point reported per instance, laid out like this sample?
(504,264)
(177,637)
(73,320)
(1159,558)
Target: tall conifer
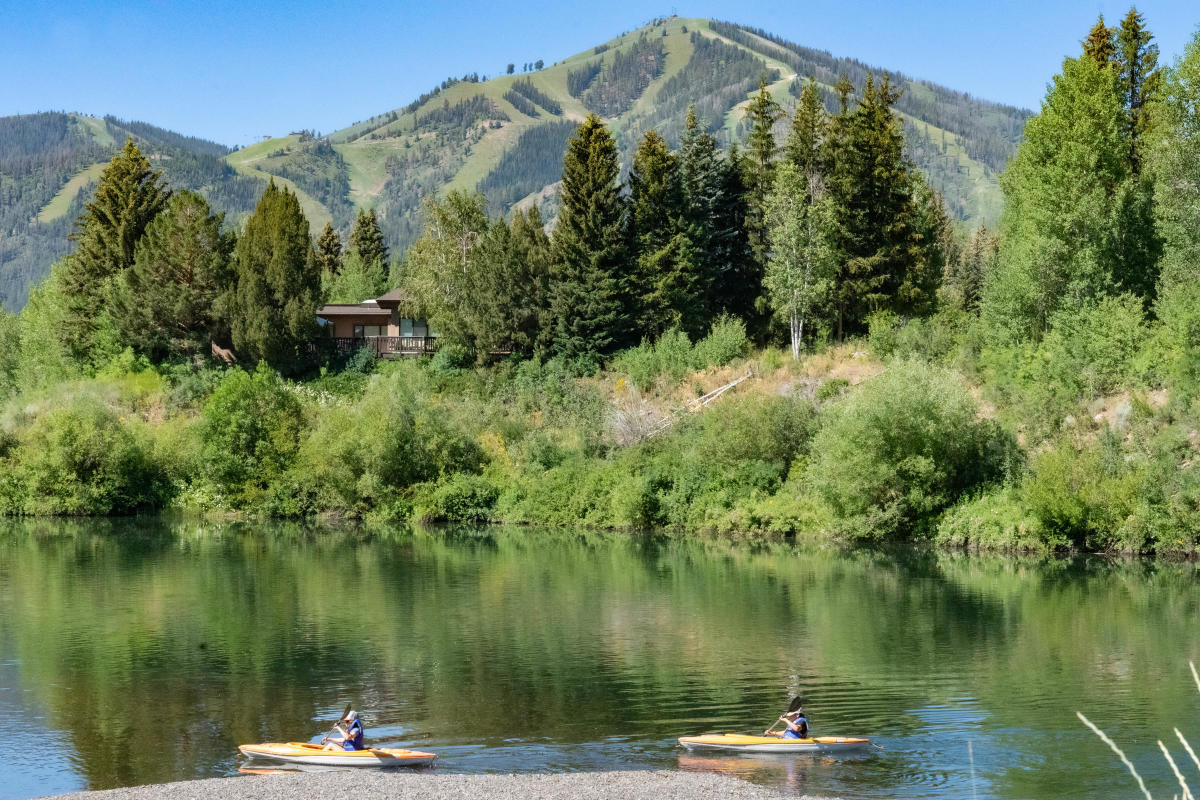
(171,301)
(1140,82)
(1099,44)
(329,251)
(129,195)
(762,113)
(278,290)
(589,300)
(366,239)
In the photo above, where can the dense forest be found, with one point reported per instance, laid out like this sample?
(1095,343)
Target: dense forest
(1030,387)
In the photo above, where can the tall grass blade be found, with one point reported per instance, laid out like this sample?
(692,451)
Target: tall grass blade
(1189,749)
(1112,745)
(1187,793)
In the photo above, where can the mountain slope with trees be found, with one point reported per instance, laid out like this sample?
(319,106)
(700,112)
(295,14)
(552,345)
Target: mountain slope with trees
(504,135)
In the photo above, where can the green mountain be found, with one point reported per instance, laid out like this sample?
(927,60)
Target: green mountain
(504,136)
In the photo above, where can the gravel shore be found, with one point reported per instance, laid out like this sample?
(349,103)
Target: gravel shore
(403,785)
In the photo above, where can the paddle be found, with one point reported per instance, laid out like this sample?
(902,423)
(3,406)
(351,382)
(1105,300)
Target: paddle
(337,725)
(792,706)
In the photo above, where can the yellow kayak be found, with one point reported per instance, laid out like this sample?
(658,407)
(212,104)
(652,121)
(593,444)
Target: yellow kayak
(307,753)
(772,744)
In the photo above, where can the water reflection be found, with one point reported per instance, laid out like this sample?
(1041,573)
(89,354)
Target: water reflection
(508,650)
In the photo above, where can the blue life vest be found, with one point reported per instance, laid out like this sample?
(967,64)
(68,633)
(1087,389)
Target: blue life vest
(802,733)
(354,736)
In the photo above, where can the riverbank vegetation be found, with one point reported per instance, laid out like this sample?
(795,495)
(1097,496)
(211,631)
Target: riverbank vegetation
(1030,388)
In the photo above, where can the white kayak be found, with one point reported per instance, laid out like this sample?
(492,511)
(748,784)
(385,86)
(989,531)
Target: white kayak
(308,753)
(772,744)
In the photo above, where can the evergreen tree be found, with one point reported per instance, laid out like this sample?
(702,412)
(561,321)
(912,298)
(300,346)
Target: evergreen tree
(880,259)
(700,199)
(1099,44)
(1063,198)
(366,238)
(762,113)
(668,288)
(737,277)
(532,247)
(329,251)
(278,290)
(801,260)
(930,246)
(171,301)
(967,271)
(1140,82)
(589,295)
(129,195)
(806,142)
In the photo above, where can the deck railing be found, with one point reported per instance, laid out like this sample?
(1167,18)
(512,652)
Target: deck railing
(387,345)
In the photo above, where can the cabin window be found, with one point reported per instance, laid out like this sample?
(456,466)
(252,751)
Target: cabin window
(363,331)
(406,327)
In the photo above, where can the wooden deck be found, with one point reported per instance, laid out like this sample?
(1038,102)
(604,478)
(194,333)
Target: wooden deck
(388,346)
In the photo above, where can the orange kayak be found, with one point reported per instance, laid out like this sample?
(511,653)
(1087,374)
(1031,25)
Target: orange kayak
(307,753)
(772,744)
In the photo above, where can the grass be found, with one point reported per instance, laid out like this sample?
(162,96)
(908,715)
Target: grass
(61,202)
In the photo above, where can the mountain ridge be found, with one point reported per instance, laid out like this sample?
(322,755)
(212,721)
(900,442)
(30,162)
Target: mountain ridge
(503,136)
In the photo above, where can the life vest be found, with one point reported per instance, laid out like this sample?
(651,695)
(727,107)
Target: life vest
(354,736)
(802,733)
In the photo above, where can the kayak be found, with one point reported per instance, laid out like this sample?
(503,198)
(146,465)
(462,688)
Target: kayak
(307,753)
(772,744)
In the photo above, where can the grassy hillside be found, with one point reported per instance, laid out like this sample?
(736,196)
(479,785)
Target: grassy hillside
(504,136)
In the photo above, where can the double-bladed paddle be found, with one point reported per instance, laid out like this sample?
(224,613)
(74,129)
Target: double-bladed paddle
(337,725)
(792,706)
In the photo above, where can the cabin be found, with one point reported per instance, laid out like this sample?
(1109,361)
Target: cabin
(379,324)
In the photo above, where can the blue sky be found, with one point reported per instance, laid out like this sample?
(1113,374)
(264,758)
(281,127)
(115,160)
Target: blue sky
(234,71)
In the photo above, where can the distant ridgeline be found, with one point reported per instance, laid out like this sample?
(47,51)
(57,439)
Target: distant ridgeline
(504,136)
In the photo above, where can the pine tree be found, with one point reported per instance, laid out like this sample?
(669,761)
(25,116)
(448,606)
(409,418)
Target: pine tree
(128,196)
(967,273)
(700,199)
(171,301)
(1099,44)
(1140,82)
(737,278)
(329,251)
(810,128)
(590,298)
(532,247)
(873,204)
(762,113)
(366,239)
(669,289)
(278,291)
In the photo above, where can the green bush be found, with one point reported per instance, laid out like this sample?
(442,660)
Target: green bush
(997,520)
(462,498)
(82,459)
(882,333)
(906,444)
(726,341)
(252,429)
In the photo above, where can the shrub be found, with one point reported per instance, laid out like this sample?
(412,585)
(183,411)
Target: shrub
(998,520)
(252,427)
(81,459)
(462,498)
(882,327)
(906,444)
(725,342)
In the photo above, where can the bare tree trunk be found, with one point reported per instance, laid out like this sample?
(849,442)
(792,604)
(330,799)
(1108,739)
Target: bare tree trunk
(797,328)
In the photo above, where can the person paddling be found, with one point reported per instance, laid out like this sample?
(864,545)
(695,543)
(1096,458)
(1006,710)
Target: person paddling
(353,740)
(797,725)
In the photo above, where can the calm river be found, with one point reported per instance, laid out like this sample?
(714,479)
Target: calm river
(137,652)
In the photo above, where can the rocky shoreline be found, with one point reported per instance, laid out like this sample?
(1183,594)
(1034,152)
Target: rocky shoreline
(427,785)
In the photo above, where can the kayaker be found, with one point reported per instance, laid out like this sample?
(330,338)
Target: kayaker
(797,725)
(353,740)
